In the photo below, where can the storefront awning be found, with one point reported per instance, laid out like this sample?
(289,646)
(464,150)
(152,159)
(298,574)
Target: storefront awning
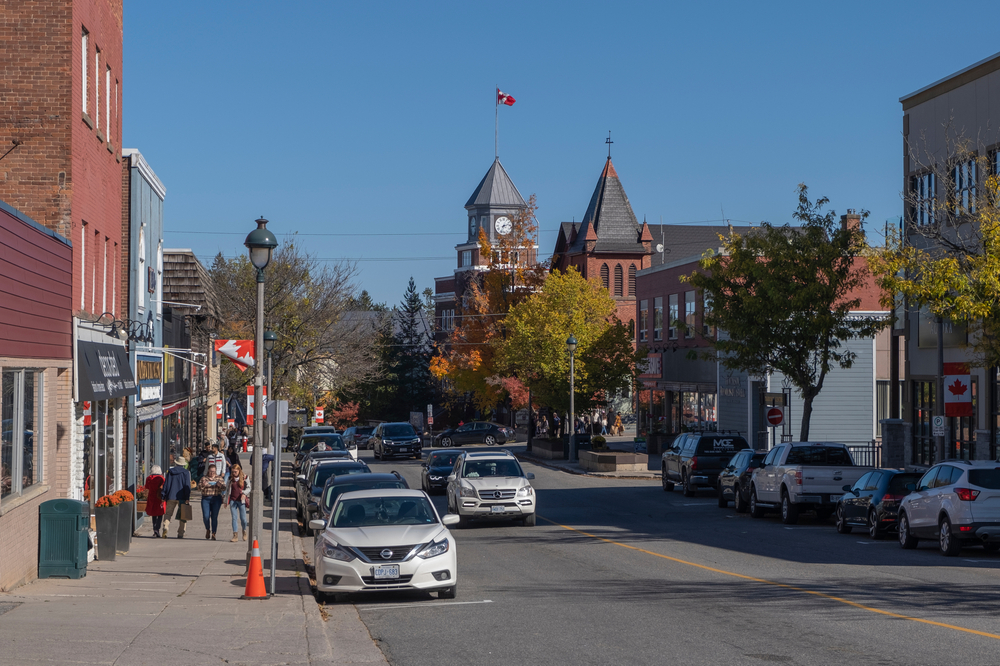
(104,371)
(173,407)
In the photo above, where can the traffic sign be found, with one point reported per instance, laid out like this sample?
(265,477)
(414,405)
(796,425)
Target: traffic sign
(938,426)
(775,417)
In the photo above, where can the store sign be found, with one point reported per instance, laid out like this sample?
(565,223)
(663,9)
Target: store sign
(149,375)
(651,367)
(105,372)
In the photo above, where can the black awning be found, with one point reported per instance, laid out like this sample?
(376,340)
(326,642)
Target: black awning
(104,371)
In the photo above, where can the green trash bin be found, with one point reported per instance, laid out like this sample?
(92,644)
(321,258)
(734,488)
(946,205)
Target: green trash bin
(63,530)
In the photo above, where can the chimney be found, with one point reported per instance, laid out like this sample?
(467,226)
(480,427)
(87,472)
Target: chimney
(850,221)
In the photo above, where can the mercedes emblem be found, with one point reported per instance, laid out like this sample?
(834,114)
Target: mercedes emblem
(386,554)
(498,494)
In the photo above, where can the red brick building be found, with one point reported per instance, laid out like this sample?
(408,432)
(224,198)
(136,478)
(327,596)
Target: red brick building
(608,244)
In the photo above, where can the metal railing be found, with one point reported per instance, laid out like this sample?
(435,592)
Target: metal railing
(866,455)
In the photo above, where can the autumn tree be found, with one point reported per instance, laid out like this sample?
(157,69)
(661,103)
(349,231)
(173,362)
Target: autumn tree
(466,362)
(534,348)
(948,264)
(783,298)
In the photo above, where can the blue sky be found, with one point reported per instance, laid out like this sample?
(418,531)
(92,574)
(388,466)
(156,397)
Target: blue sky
(375,118)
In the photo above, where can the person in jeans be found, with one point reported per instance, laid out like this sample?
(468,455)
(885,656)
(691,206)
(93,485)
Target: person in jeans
(177,492)
(236,495)
(213,489)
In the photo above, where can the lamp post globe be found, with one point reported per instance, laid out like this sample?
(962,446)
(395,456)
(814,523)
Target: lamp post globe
(270,339)
(261,242)
(571,343)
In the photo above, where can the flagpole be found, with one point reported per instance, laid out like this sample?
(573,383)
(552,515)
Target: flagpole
(496,125)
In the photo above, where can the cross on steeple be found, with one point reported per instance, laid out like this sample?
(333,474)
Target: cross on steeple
(609,142)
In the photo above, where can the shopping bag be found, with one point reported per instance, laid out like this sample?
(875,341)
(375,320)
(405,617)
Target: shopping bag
(185,512)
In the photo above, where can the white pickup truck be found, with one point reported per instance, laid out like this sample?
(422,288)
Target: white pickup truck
(802,476)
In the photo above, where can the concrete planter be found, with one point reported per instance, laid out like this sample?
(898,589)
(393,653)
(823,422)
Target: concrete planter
(550,449)
(612,461)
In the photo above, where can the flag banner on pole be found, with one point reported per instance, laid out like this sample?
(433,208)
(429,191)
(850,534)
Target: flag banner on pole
(319,416)
(504,98)
(957,389)
(263,404)
(218,410)
(239,352)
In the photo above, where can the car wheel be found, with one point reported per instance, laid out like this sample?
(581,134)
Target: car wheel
(667,485)
(906,540)
(686,487)
(789,512)
(873,531)
(842,526)
(949,545)
(756,510)
(448,592)
(491,440)
(738,502)
(446,442)
(723,502)
(530,520)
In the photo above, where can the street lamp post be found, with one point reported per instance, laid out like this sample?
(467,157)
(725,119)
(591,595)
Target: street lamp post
(260,242)
(270,338)
(571,348)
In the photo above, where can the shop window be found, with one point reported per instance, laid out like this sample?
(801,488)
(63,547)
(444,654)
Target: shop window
(658,318)
(923,412)
(673,316)
(21,448)
(643,320)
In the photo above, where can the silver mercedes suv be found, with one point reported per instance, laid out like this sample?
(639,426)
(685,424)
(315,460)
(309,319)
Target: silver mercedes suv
(491,484)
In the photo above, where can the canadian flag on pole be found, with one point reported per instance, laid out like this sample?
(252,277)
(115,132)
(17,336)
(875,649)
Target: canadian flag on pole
(957,389)
(504,98)
(239,352)
(250,401)
(319,416)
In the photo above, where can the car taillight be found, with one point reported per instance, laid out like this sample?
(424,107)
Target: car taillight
(889,497)
(694,462)
(751,468)
(798,477)
(966,494)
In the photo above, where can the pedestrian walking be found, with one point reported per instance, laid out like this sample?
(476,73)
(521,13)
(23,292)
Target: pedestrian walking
(155,506)
(177,493)
(232,457)
(619,428)
(236,499)
(556,424)
(604,425)
(267,458)
(220,462)
(545,426)
(213,488)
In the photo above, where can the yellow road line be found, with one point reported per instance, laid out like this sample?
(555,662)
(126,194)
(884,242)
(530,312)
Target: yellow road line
(776,584)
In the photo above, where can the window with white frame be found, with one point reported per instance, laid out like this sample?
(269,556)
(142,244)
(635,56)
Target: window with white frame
(107,104)
(21,448)
(673,315)
(964,175)
(689,309)
(84,48)
(466,258)
(658,318)
(643,319)
(923,190)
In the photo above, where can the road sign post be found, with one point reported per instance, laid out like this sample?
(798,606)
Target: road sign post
(939,427)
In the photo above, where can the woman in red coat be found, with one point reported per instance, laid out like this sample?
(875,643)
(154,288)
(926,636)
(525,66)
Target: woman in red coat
(155,506)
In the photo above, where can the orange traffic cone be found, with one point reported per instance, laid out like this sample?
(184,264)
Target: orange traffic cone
(255,577)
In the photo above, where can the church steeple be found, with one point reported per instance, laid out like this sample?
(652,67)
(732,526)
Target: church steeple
(609,222)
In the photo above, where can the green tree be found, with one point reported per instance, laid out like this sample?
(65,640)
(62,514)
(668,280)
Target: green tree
(411,354)
(782,298)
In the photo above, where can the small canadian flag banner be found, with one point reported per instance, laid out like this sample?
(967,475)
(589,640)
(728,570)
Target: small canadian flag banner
(319,416)
(87,414)
(504,98)
(957,389)
(250,400)
(218,410)
(239,352)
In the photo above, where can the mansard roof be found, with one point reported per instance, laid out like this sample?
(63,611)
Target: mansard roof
(609,216)
(496,190)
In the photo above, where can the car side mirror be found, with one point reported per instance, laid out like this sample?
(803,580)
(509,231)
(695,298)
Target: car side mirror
(529,476)
(450,519)
(317,525)
(921,488)
(451,477)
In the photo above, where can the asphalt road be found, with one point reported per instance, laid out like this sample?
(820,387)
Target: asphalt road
(619,572)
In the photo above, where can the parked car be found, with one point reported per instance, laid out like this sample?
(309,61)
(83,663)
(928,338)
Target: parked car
(308,488)
(957,503)
(873,501)
(491,484)
(437,467)
(734,480)
(337,485)
(803,476)
(390,440)
(476,432)
(359,434)
(695,459)
(331,441)
(385,540)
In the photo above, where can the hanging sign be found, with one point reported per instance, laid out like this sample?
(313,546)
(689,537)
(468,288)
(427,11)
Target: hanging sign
(957,389)
(319,416)
(250,400)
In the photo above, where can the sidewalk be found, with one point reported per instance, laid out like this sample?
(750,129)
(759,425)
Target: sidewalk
(177,601)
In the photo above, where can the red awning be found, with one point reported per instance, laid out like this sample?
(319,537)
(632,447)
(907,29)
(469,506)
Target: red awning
(171,408)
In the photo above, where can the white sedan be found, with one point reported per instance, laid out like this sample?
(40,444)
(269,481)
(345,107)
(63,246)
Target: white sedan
(385,539)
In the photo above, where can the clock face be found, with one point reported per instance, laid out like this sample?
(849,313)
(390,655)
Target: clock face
(504,226)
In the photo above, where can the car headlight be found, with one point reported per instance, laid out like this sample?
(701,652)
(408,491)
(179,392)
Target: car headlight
(435,478)
(336,552)
(435,548)
(527,491)
(414,441)
(466,492)
(386,441)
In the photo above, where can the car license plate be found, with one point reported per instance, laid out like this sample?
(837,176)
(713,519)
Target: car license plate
(498,509)
(405,449)
(387,571)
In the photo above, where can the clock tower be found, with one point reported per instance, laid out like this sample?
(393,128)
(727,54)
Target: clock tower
(492,205)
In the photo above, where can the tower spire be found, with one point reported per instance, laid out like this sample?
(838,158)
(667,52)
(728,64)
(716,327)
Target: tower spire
(609,142)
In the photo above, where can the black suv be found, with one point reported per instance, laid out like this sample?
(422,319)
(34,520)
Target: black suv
(395,439)
(696,458)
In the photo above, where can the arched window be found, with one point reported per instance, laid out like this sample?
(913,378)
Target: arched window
(605,277)
(618,280)
(631,280)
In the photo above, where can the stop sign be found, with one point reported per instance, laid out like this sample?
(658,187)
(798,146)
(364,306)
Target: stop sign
(775,416)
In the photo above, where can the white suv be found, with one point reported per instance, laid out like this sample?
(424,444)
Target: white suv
(956,502)
(491,484)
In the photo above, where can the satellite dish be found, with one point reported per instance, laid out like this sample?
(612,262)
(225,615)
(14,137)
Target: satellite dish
(659,247)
